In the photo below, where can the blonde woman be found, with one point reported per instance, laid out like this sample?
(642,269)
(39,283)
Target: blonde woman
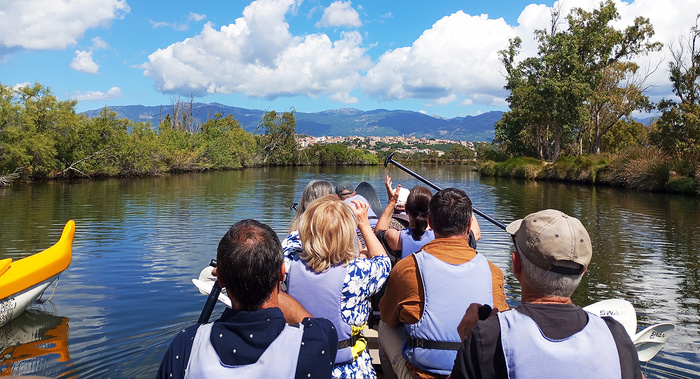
(332,278)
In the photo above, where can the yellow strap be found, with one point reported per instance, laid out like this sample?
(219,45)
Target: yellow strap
(361,343)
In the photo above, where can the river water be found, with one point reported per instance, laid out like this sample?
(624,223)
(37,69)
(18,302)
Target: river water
(139,242)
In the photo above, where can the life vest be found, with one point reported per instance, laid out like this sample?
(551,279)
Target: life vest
(319,294)
(409,245)
(590,353)
(279,360)
(431,344)
(373,219)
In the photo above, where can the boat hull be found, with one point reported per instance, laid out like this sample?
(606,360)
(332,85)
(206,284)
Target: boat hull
(23,281)
(13,306)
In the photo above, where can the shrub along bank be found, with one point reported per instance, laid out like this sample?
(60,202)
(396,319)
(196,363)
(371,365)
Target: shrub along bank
(638,168)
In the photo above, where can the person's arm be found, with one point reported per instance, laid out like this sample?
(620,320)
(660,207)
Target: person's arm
(475,228)
(393,195)
(293,311)
(374,247)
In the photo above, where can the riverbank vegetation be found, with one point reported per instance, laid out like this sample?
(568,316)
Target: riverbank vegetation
(44,138)
(571,108)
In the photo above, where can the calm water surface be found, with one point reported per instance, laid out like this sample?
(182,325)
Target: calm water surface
(139,242)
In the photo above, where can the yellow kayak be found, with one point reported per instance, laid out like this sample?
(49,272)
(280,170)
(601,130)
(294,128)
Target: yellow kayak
(23,281)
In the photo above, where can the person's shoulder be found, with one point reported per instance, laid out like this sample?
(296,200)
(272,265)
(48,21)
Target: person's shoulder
(320,331)
(186,334)
(407,264)
(495,269)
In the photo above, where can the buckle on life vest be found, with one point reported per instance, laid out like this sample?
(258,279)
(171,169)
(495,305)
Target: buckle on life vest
(429,344)
(350,342)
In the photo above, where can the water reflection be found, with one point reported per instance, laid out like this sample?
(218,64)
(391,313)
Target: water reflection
(140,241)
(34,340)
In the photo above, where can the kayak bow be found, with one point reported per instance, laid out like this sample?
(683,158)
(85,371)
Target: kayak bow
(22,282)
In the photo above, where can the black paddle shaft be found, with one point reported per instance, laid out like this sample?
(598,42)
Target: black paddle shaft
(211,300)
(389,159)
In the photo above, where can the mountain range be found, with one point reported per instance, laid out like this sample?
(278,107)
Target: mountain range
(336,122)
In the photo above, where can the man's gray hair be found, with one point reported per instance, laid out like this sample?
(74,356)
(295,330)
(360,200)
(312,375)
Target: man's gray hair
(549,283)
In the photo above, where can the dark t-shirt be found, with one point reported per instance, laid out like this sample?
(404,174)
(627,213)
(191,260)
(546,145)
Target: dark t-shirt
(481,354)
(318,350)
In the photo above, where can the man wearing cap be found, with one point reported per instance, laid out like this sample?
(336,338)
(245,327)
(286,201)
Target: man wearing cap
(428,293)
(546,336)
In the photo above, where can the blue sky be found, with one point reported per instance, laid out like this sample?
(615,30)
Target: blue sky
(437,57)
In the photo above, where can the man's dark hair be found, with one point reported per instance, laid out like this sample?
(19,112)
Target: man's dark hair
(249,259)
(450,212)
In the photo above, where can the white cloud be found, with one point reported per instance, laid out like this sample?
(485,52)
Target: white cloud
(456,58)
(257,56)
(99,44)
(113,93)
(340,13)
(196,17)
(83,62)
(53,24)
(173,25)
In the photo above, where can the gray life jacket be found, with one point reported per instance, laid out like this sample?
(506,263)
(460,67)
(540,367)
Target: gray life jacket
(431,344)
(319,294)
(279,360)
(409,245)
(590,353)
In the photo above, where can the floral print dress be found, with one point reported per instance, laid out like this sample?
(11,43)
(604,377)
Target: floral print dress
(364,278)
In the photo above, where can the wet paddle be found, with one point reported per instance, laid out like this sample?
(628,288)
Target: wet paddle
(619,309)
(649,341)
(389,159)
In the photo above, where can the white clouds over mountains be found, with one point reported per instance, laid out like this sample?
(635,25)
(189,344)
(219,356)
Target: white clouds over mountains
(456,60)
(259,55)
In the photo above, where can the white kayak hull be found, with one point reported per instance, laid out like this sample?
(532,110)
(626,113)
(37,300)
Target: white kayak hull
(13,306)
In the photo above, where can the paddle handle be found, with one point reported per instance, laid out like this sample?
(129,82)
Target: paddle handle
(211,300)
(389,159)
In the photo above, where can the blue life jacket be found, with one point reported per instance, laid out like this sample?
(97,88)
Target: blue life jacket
(431,344)
(409,245)
(279,360)
(319,294)
(590,353)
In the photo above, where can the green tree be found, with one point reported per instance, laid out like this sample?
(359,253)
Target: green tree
(278,146)
(226,144)
(551,95)
(459,151)
(677,130)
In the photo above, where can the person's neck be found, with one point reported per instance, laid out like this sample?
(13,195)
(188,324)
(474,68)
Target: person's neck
(535,299)
(272,302)
(528,295)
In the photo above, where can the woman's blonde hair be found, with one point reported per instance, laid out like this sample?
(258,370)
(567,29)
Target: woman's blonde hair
(328,234)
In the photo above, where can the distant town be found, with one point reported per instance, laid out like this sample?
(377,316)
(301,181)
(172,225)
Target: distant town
(400,144)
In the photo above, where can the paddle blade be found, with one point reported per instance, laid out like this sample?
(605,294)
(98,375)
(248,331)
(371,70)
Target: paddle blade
(206,282)
(621,310)
(368,192)
(649,341)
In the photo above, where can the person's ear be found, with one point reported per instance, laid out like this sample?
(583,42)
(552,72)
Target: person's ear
(430,221)
(215,272)
(282,272)
(517,264)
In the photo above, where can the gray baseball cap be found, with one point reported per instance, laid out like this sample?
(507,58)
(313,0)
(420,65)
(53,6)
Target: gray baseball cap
(344,188)
(550,236)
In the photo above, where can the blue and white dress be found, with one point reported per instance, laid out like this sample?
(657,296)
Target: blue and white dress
(364,278)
